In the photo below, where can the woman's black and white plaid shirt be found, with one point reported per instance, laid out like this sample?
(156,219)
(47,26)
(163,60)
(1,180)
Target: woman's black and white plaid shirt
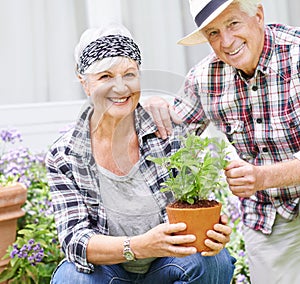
(74,182)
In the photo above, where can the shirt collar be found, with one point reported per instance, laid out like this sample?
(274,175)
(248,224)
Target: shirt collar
(265,57)
(81,140)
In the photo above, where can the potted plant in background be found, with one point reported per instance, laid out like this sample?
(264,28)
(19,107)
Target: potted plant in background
(195,172)
(12,197)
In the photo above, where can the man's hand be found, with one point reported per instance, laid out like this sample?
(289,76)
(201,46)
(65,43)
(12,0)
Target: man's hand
(243,178)
(163,114)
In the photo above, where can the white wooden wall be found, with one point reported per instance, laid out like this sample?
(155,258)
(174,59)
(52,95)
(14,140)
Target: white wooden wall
(39,123)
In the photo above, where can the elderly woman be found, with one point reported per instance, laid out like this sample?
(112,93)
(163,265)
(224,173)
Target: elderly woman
(109,210)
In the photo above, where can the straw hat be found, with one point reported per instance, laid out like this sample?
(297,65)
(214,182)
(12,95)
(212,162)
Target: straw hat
(203,12)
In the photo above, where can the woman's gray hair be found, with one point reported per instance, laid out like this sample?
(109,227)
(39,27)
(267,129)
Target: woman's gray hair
(248,6)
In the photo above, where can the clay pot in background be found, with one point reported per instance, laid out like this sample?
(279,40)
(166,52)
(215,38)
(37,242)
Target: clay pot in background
(12,198)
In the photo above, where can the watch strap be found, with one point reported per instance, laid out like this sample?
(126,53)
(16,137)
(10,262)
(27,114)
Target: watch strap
(127,252)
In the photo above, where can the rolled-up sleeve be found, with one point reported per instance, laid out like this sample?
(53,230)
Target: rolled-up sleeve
(73,217)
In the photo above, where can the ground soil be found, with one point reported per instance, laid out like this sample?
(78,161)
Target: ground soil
(198,204)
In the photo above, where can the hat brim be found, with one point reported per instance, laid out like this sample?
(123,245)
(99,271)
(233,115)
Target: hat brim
(197,37)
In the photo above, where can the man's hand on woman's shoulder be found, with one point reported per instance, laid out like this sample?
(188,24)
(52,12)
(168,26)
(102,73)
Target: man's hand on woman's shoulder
(163,114)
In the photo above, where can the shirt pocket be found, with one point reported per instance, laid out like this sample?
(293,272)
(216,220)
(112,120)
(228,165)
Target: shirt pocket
(285,131)
(232,128)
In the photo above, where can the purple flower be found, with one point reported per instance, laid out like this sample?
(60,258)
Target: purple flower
(241,253)
(37,247)
(14,252)
(11,135)
(30,258)
(33,252)
(39,257)
(23,248)
(211,147)
(17,164)
(233,206)
(241,278)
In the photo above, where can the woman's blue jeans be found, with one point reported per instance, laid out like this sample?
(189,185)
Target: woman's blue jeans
(191,269)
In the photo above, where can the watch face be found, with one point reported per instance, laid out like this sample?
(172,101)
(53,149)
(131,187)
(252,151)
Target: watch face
(129,255)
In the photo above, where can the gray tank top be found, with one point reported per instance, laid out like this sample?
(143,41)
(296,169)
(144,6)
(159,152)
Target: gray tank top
(130,207)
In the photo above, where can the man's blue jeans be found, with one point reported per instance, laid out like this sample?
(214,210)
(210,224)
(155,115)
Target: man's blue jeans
(167,270)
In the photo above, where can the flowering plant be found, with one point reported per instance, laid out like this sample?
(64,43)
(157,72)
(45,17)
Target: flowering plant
(36,252)
(236,246)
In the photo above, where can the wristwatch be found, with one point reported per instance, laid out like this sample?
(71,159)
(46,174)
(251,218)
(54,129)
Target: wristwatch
(127,252)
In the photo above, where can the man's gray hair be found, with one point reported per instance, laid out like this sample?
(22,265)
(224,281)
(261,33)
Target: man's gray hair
(248,6)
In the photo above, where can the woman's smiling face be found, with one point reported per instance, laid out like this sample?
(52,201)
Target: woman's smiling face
(237,38)
(115,92)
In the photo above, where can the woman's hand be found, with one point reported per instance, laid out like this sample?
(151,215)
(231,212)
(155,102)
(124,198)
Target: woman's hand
(218,237)
(160,242)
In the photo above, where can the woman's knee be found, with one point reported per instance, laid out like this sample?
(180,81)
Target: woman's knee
(209,269)
(220,265)
(66,273)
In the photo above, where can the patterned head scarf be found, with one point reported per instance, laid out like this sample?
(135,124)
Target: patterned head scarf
(108,46)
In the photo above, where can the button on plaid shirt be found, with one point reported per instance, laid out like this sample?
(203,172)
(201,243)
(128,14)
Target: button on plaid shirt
(74,182)
(261,115)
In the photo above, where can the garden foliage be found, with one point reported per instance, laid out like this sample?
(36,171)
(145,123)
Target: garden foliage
(36,252)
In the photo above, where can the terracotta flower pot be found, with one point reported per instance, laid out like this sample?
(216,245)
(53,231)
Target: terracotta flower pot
(11,199)
(198,221)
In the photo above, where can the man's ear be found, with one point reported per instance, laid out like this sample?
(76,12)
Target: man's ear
(260,14)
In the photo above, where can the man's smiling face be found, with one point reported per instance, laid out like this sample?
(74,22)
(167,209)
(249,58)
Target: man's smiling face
(237,38)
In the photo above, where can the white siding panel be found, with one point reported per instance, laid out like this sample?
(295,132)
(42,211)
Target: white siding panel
(39,123)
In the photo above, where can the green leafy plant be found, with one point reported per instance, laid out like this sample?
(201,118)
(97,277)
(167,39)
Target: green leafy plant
(195,169)
(196,173)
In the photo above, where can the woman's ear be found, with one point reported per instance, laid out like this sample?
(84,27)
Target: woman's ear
(84,84)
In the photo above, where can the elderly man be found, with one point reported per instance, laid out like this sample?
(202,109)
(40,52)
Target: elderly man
(249,88)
